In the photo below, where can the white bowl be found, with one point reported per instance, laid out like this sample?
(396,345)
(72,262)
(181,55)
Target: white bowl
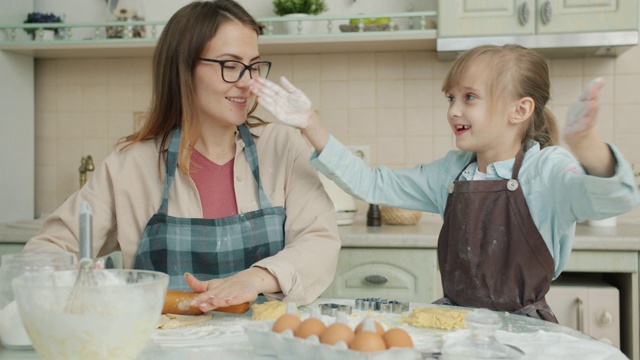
(111,319)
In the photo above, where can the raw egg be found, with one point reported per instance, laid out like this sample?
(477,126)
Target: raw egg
(379,328)
(286,322)
(397,337)
(311,326)
(367,341)
(337,332)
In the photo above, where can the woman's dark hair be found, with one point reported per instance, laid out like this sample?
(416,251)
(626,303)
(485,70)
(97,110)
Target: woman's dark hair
(181,44)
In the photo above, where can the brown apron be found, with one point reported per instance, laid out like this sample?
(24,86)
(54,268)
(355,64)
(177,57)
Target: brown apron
(491,254)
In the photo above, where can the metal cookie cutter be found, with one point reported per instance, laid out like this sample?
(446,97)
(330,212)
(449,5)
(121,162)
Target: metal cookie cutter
(382,305)
(332,309)
(399,307)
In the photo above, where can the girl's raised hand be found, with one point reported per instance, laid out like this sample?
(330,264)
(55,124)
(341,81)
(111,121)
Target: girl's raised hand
(582,112)
(287,103)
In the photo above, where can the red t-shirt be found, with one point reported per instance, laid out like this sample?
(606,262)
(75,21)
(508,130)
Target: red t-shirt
(215,185)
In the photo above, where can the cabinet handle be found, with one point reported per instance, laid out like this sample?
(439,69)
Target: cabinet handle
(375,279)
(523,14)
(580,315)
(605,318)
(546,12)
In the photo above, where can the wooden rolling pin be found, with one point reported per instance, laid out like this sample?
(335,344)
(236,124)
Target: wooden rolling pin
(179,302)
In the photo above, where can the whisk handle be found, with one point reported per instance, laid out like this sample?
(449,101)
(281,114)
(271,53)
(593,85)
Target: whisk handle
(86,231)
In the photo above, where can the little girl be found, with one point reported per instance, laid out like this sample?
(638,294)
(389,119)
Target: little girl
(510,197)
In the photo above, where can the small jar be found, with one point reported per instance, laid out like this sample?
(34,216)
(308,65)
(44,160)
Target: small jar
(373,216)
(124,12)
(480,342)
(12,332)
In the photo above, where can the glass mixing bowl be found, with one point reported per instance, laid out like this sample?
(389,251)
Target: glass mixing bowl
(111,316)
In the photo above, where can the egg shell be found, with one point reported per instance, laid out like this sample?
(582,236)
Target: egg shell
(286,321)
(397,337)
(310,326)
(367,341)
(379,328)
(337,332)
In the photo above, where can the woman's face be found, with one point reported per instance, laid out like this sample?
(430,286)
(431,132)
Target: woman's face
(220,103)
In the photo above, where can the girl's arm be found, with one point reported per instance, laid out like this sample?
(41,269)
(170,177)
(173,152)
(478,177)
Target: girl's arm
(420,188)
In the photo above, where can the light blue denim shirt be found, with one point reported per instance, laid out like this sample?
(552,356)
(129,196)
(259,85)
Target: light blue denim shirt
(558,191)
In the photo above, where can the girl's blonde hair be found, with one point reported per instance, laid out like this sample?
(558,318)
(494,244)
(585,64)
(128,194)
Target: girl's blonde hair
(175,57)
(514,72)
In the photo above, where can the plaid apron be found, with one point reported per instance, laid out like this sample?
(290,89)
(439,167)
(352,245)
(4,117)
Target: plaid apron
(210,248)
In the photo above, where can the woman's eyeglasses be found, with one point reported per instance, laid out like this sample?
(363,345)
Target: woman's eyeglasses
(232,71)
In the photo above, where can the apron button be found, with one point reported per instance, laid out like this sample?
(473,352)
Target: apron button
(239,178)
(451,188)
(512,185)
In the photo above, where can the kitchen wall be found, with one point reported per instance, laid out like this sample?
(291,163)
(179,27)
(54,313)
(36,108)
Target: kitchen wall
(389,101)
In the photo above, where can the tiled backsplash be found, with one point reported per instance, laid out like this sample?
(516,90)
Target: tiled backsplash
(389,101)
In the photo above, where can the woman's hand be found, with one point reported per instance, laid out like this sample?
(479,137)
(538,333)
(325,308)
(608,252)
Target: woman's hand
(237,289)
(287,103)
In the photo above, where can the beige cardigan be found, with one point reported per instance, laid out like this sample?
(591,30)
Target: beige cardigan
(126,190)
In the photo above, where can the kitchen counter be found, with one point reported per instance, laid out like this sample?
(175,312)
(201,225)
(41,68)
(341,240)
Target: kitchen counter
(19,232)
(422,235)
(425,235)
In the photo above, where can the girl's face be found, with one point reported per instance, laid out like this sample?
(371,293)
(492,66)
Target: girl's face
(221,103)
(476,127)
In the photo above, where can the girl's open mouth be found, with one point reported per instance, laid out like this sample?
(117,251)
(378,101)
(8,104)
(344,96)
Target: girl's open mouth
(460,129)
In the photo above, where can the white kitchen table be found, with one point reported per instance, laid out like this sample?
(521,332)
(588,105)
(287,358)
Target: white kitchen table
(224,337)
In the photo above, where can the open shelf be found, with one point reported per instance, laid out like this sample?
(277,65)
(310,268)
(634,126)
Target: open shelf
(407,32)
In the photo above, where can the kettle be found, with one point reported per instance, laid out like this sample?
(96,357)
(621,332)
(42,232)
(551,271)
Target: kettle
(344,204)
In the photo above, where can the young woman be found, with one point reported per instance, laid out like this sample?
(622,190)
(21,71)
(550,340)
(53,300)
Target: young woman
(510,198)
(204,187)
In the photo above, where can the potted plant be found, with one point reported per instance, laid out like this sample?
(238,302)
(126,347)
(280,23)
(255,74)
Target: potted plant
(42,18)
(311,7)
(299,8)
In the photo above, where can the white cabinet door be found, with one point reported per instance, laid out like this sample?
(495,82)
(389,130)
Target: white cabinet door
(483,18)
(562,16)
(592,307)
(392,274)
(461,18)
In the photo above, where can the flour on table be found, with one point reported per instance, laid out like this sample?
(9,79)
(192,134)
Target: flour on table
(174,321)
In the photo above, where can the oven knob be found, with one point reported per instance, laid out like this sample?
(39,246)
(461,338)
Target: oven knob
(605,318)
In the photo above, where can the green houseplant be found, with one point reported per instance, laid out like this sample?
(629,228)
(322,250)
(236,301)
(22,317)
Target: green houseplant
(311,7)
(41,18)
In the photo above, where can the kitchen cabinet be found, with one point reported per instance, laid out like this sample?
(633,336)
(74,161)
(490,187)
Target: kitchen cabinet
(588,305)
(528,17)
(555,28)
(392,274)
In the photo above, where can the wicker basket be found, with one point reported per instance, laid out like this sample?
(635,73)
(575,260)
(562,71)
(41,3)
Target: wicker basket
(395,216)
